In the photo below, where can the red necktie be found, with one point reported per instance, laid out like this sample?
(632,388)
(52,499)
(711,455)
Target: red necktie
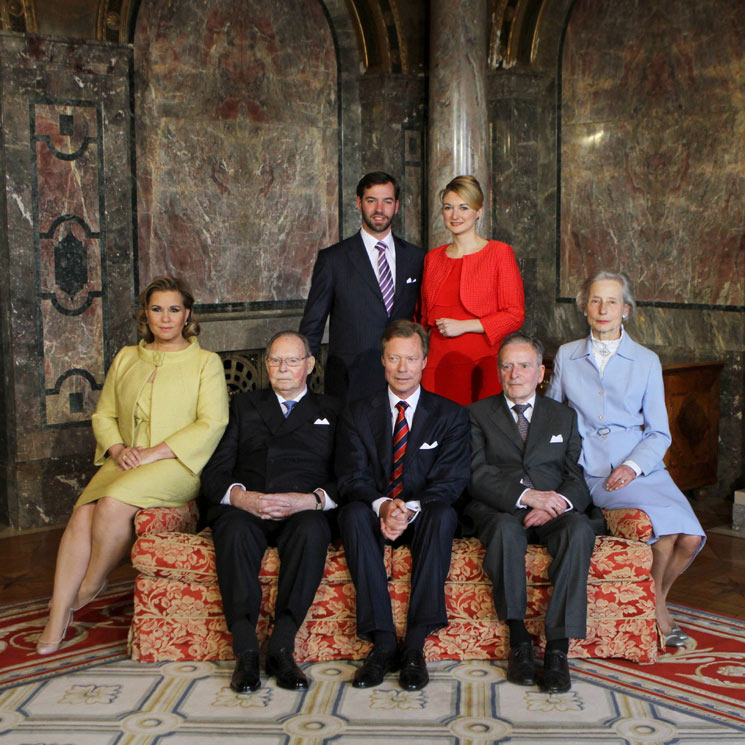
(400,436)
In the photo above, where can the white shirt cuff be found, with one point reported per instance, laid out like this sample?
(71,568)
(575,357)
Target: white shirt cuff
(376,504)
(328,503)
(633,466)
(571,506)
(415,506)
(226,497)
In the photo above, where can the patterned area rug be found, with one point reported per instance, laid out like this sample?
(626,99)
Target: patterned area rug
(89,693)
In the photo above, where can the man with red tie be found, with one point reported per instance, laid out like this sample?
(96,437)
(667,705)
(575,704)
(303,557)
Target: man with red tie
(360,285)
(402,460)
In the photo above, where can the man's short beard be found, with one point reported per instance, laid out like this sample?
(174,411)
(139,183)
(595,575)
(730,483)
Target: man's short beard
(373,227)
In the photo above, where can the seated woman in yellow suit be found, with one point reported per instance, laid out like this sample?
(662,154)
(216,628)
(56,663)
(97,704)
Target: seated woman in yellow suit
(162,411)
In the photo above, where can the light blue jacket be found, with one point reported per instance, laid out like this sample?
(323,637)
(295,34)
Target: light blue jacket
(622,415)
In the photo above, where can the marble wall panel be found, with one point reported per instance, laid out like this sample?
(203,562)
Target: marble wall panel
(394,140)
(237,146)
(67,222)
(71,272)
(652,154)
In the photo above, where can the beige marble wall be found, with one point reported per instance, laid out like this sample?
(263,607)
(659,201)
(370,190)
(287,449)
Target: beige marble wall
(237,146)
(652,153)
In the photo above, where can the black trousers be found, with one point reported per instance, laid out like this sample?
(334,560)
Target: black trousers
(569,540)
(240,541)
(430,538)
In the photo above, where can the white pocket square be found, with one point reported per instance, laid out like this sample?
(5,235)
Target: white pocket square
(322,421)
(556,438)
(410,280)
(427,446)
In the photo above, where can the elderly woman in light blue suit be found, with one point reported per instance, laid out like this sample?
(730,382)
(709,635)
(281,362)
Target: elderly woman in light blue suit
(615,386)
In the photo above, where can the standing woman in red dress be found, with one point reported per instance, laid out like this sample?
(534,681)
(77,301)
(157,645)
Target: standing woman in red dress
(472,297)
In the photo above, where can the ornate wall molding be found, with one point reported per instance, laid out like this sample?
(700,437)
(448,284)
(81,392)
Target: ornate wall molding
(69,216)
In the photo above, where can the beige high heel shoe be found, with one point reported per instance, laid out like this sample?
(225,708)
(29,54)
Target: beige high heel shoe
(94,596)
(43,647)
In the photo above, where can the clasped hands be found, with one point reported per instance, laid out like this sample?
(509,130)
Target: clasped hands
(276,506)
(127,458)
(394,518)
(546,505)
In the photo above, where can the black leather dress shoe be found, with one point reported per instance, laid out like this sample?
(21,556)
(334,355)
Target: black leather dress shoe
(414,673)
(246,674)
(374,668)
(556,672)
(281,665)
(520,665)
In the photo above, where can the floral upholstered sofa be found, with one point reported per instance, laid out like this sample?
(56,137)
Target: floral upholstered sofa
(178,611)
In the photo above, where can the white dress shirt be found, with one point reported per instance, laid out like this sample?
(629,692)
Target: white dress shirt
(370,242)
(413,401)
(328,503)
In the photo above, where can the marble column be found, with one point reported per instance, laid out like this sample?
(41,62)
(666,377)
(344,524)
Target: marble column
(458,122)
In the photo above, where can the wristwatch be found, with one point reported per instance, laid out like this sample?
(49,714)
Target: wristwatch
(318,494)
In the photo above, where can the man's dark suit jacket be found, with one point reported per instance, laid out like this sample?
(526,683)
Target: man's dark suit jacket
(549,458)
(268,453)
(436,464)
(344,287)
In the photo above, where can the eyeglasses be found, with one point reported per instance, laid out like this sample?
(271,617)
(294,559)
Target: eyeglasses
(289,361)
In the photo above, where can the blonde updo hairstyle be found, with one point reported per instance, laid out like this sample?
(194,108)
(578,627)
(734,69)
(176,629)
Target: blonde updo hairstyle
(468,189)
(166,284)
(627,290)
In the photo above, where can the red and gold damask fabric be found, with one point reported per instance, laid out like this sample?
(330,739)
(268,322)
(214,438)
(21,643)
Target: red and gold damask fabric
(174,519)
(178,610)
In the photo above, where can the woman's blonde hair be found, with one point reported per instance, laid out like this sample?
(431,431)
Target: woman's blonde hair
(166,284)
(468,189)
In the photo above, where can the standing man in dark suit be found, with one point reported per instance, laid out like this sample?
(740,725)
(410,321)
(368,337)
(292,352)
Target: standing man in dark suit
(402,461)
(363,284)
(271,482)
(526,487)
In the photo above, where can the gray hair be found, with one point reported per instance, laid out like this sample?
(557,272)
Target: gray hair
(282,334)
(518,337)
(627,290)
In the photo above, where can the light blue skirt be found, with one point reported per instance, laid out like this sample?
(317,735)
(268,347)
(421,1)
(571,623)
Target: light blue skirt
(656,494)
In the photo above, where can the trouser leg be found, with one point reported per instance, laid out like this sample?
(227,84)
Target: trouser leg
(570,541)
(363,546)
(430,538)
(506,543)
(302,543)
(240,543)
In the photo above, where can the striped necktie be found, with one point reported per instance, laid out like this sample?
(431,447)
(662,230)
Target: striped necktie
(400,436)
(522,427)
(384,277)
(522,421)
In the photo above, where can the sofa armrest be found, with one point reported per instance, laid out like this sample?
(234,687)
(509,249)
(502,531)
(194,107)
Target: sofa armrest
(629,523)
(171,519)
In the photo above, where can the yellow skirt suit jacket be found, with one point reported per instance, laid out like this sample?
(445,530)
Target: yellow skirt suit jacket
(150,397)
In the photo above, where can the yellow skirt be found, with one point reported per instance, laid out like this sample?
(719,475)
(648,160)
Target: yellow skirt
(165,483)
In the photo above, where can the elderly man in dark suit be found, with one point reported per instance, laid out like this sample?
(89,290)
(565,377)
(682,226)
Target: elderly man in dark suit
(526,487)
(363,283)
(402,461)
(271,482)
